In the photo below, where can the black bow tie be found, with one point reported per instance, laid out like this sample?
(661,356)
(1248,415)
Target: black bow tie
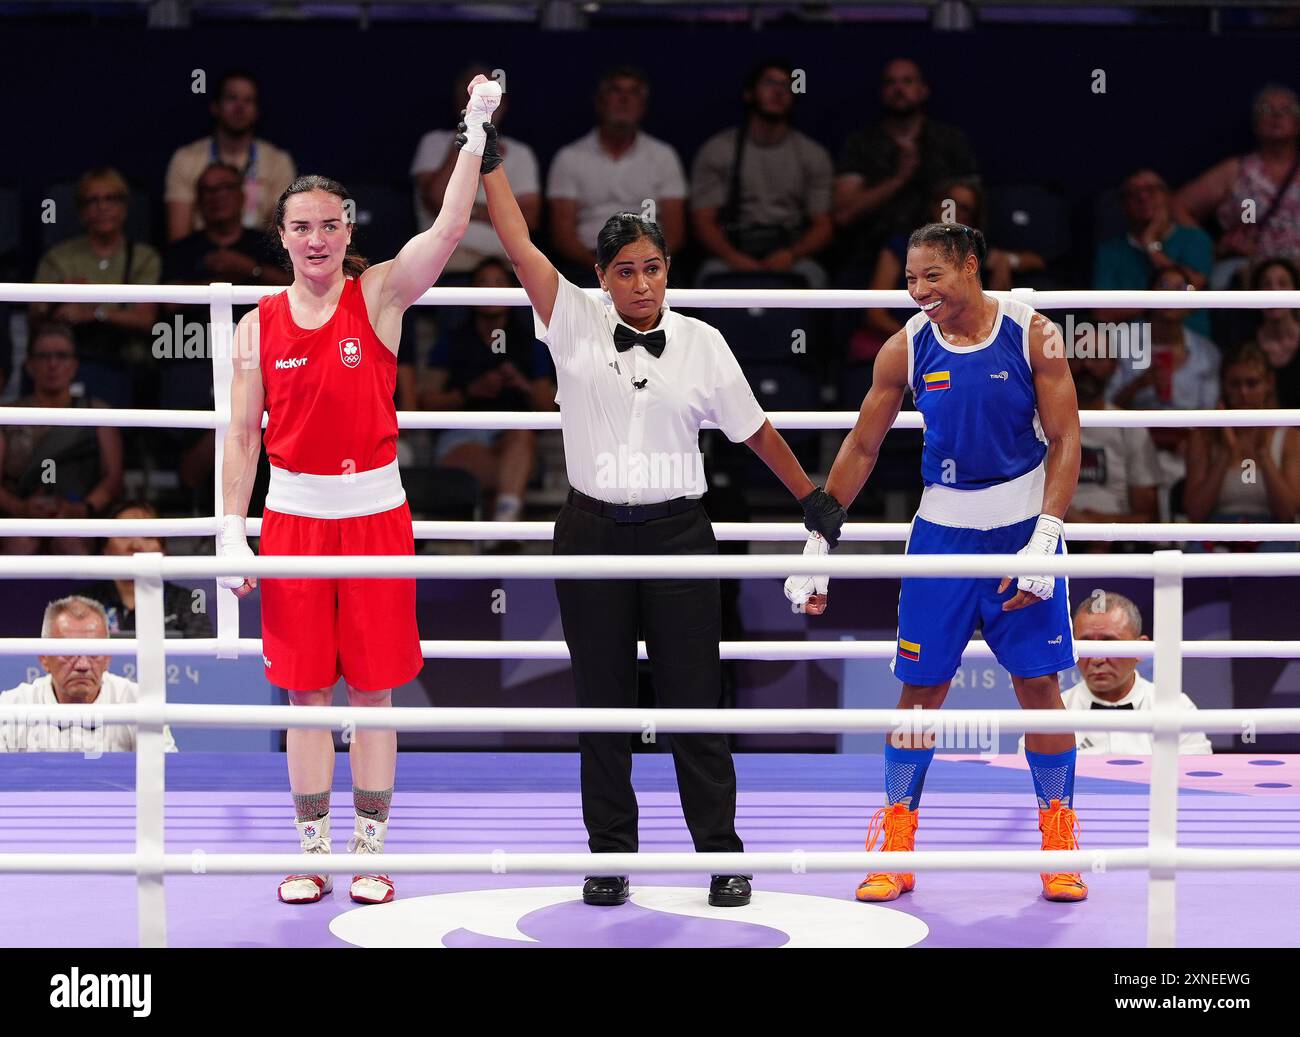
(1101,705)
(625,338)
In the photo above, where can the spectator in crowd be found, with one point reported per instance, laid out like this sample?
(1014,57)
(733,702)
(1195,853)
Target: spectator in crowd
(79,680)
(110,337)
(1182,368)
(1115,683)
(56,471)
(615,167)
(1165,366)
(959,200)
(223,249)
(761,192)
(435,158)
(1118,470)
(492,362)
(1244,474)
(888,171)
(185,611)
(266,170)
(1278,333)
(1153,242)
(1254,198)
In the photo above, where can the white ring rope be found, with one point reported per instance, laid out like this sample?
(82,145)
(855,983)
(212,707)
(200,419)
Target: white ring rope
(1161,858)
(766,651)
(492,420)
(685,298)
(793,532)
(566,720)
(634,567)
(505,862)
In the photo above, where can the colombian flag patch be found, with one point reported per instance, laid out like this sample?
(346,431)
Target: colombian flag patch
(936,380)
(909,650)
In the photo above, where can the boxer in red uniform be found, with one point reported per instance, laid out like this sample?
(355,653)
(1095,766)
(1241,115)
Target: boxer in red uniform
(321,359)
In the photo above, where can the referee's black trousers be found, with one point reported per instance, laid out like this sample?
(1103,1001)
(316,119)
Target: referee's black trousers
(680,621)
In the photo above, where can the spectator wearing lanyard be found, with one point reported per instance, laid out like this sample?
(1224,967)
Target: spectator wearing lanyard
(636,381)
(267,170)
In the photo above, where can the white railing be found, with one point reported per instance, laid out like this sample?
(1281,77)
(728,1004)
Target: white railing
(753,532)
(623,567)
(681,298)
(504,419)
(768,651)
(1161,858)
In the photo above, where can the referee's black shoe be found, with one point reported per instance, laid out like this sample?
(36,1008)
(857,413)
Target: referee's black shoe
(729,891)
(606,890)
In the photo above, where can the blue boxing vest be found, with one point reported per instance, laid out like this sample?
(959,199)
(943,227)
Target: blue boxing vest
(977,402)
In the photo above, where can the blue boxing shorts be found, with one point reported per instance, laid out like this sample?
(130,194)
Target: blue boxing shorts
(937,617)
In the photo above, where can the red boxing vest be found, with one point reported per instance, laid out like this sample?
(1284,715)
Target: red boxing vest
(329,392)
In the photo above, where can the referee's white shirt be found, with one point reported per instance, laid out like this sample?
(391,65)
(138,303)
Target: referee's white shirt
(55,736)
(626,445)
(1129,743)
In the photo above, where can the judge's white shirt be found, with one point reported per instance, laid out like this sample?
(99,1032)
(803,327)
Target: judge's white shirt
(631,420)
(63,736)
(1128,743)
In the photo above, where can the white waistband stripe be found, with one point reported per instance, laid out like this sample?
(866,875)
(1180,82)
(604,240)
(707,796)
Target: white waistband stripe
(1002,505)
(335,496)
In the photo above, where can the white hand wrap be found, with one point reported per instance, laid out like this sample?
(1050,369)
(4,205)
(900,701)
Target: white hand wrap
(233,543)
(1047,534)
(798,589)
(482,103)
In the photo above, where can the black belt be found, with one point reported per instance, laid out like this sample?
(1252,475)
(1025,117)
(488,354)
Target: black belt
(632,513)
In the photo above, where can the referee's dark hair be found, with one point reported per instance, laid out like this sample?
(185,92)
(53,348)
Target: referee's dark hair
(621,230)
(955,240)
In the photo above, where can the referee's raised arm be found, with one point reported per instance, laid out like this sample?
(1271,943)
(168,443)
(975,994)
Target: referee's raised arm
(536,273)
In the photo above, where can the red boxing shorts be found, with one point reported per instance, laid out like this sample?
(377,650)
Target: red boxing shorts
(314,631)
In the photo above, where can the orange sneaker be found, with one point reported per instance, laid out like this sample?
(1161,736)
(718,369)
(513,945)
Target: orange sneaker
(1060,828)
(898,825)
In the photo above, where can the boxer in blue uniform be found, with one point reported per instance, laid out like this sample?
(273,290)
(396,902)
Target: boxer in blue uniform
(1000,466)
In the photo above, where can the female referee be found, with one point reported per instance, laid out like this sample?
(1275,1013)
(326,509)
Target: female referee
(636,381)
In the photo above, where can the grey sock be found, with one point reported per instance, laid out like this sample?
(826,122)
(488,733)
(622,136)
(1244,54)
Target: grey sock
(372,804)
(311,806)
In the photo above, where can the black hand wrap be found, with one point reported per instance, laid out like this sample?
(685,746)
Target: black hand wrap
(823,514)
(491,149)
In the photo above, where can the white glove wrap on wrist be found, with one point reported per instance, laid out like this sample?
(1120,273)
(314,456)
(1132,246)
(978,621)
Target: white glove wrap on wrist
(482,103)
(233,543)
(798,589)
(1047,534)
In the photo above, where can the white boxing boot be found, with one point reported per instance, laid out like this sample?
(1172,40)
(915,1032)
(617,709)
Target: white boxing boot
(314,837)
(368,837)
